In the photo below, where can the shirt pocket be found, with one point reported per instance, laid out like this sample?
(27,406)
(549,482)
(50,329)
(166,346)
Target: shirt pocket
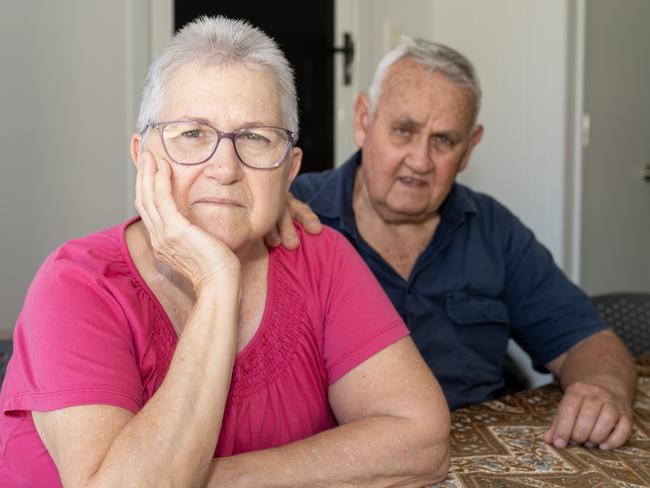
(482,332)
(474,310)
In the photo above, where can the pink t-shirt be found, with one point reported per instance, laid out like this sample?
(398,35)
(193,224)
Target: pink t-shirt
(92,332)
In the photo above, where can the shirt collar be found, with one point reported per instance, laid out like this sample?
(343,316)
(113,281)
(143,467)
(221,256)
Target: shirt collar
(334,199)
(458,203)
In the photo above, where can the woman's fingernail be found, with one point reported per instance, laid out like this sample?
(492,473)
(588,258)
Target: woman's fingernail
(604,447)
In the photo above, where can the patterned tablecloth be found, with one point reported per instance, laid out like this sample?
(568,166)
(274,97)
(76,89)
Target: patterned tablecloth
(498,444)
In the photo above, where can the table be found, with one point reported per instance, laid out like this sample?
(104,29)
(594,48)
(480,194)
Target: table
(498,444)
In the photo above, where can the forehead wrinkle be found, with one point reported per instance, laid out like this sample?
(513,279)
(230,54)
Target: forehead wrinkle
(411,91)
(408,84)
(197,90)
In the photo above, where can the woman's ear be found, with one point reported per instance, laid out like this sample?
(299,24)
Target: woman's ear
(296,161)
(136,141)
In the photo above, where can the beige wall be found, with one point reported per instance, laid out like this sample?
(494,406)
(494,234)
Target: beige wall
(520,49)
(71,75)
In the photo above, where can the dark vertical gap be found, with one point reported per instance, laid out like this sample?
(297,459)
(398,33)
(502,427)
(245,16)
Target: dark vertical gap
(305,32)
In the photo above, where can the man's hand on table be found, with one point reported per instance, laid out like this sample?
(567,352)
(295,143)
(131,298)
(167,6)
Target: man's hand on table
(591,415)
(599,381)
(285,233)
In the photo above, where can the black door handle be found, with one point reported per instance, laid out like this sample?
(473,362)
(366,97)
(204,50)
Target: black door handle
(348,56)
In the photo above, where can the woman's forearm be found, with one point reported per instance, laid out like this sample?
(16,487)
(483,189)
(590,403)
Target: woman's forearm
(372,452)
(171,441)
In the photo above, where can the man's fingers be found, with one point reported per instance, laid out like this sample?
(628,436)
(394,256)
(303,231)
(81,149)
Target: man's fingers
(284,232)
(287,231)
(548,435)
(590,410)
(619,435)
(565,419)
(590,420)
(313,225)
(305,215)
(273,239)
(605,424)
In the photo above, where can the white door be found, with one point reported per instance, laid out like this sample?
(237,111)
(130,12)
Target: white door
(375,26)
(615,238)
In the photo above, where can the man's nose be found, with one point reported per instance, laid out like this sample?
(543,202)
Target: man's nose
(224,165)
(420,157)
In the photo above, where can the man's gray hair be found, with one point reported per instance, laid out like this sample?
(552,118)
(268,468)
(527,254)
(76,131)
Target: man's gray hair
(432,57)
(219,41)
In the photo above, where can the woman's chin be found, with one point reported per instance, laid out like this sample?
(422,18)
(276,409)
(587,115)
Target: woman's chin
(233,235)
(231,228)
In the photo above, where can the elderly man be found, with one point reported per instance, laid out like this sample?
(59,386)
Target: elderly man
(464,273)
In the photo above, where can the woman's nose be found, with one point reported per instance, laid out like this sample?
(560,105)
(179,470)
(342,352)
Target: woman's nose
(224,165)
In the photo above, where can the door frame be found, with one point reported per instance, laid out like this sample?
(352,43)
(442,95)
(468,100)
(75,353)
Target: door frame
(578,136)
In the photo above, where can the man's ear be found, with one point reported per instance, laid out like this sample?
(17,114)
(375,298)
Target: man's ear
(136,141)
(475,138)
(361,118)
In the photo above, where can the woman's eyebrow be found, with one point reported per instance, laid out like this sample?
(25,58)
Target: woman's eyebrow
(203,120)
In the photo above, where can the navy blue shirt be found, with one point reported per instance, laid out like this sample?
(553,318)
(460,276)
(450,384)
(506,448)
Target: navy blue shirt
(482,279)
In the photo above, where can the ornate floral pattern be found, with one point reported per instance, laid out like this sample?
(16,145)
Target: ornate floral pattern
(498,444)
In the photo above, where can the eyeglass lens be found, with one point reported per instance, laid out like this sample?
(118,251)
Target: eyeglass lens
(193,143)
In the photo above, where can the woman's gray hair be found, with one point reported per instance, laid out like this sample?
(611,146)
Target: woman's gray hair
(219,41)
(432,57)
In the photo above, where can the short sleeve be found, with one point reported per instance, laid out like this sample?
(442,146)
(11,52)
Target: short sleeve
(360,320)
(72,343)
(548,312)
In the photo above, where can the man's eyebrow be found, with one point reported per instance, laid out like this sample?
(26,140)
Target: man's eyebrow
(451,134)
(406,121)
(409,123)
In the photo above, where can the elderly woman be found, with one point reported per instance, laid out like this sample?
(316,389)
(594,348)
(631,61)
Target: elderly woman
(176,349)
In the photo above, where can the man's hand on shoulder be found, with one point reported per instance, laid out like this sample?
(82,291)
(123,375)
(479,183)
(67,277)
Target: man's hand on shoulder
(284,232)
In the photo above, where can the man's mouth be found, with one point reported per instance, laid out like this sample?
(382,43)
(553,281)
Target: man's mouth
(413,182)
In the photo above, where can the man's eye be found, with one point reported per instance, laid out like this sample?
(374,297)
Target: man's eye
(442,139)
(402,131)
(443,142)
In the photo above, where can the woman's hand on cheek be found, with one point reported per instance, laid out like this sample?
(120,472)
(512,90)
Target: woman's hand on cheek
(187,248)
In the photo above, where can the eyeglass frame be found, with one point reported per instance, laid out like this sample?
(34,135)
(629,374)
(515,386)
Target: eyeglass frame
(291,141)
